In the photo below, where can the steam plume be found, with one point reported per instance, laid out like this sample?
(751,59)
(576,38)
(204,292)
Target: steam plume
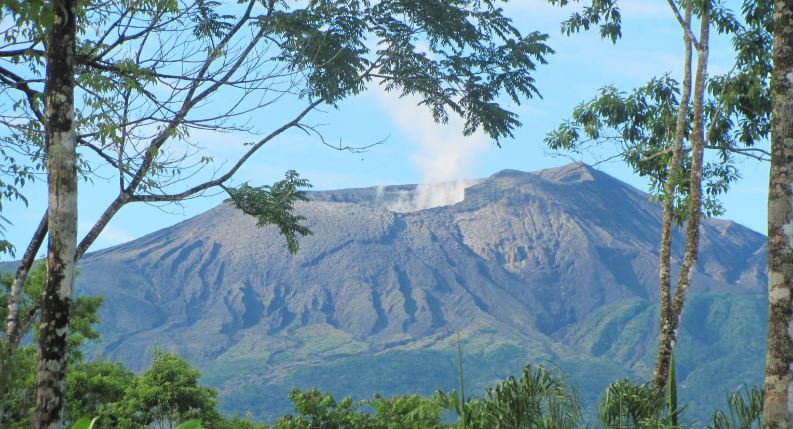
(445,157)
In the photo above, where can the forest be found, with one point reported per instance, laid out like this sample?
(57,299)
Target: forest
(90,87)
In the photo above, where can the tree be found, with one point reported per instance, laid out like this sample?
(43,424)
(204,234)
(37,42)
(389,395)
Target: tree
(18,389)
(94,389)
(149,72)
(18,375)
(652,124)
(166,394)
(537,399)
(778,410)
(631,406)
(104,389)
(671,310)
(61,150)
(744,410)
(315,410)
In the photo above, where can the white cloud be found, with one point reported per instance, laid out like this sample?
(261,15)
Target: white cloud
(445,156)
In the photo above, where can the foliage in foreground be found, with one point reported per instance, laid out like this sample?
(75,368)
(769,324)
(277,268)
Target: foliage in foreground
(169,392)
(537,400)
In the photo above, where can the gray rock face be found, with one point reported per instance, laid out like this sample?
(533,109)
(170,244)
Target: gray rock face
(528,256)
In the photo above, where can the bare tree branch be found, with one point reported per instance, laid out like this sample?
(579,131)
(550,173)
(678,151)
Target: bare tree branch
(685,24)
(13,326)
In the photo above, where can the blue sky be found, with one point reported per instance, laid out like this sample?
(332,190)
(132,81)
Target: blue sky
(418,151)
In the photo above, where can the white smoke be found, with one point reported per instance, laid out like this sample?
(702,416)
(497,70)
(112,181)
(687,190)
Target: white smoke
(445,156)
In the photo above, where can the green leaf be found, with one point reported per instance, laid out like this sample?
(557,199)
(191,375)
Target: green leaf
(190,424)
(85,423)
(671,386)
(274,205)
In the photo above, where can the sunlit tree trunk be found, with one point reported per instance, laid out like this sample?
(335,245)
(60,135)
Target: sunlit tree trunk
(778,411)
(674,311)
(62,185)
(670,187)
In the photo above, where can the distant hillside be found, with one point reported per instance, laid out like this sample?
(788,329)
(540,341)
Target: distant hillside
(558,265)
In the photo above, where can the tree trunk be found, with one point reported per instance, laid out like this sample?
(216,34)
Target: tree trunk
(62,183)
(778,410)
(694,214)
(670,188)
(668,333)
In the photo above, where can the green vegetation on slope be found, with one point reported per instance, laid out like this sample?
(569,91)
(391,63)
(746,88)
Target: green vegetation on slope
(169,392)
(718,353)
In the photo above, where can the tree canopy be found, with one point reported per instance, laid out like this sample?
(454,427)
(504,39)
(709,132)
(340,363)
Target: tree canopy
(128,83)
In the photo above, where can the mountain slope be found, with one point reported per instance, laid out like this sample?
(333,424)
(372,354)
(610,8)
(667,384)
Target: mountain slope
(559,264)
